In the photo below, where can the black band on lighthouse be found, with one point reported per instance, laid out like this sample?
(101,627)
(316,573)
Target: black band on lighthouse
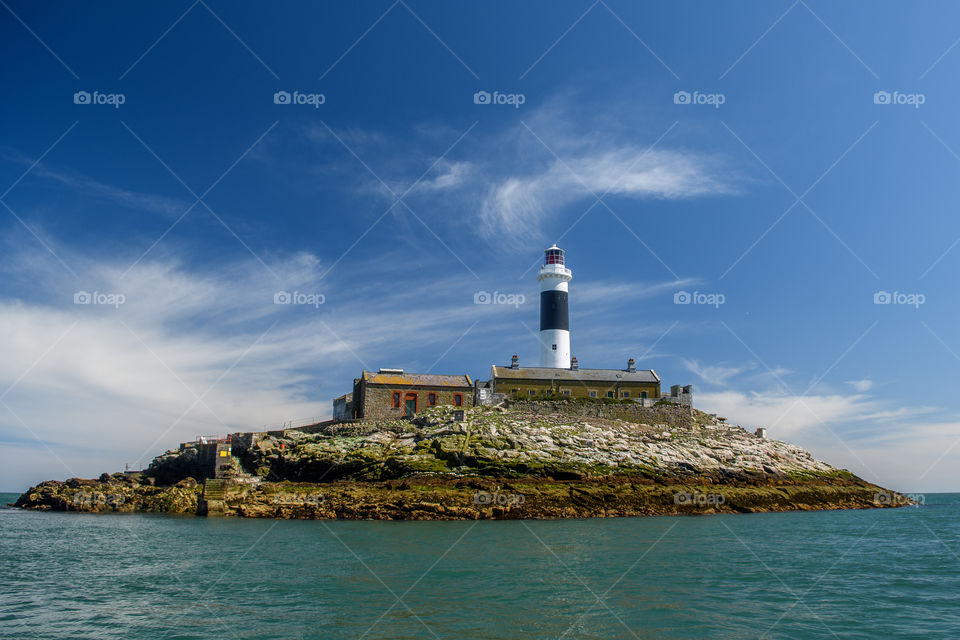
(553,310)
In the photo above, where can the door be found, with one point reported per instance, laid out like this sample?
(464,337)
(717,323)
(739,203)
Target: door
(410,404)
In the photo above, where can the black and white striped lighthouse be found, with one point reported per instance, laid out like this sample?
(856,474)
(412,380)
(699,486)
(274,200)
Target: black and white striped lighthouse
(554,315)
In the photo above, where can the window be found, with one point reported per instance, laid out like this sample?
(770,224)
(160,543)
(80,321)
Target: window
(554,347)
(565,392)
(625,394)
(609,394)
(458,399)
(593,394)
(396,399)
(432,399)
(533,392)
(643,394)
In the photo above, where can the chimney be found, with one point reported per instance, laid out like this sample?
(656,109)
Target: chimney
(574,365)
(631,366)
(515,362)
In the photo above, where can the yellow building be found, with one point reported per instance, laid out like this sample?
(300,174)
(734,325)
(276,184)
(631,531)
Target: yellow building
(523,382)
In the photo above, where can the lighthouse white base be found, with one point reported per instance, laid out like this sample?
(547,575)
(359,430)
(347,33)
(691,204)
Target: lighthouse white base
(555,349)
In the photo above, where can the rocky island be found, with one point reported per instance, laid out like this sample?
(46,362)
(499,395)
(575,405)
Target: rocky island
(551,458)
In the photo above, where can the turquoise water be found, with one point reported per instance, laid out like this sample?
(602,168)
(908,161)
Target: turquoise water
(891,573)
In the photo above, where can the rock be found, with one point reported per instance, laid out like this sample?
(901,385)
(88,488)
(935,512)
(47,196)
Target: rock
(620,458)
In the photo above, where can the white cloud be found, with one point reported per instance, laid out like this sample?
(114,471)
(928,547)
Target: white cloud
(450,176)
(102,386)
(516,205)
(511,184)
(891,446)
(787,414)
(717,374)
(861,385)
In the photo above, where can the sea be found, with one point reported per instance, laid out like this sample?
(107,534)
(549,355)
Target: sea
(885,573)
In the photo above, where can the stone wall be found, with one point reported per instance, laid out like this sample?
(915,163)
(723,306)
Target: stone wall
(343,407)
(673,414)
(212,456)
(378,401)
(522,388)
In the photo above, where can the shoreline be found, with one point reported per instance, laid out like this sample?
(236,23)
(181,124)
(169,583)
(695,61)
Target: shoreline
(460,498)
(537,459)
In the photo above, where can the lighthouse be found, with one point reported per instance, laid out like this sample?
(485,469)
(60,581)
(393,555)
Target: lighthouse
(554,316)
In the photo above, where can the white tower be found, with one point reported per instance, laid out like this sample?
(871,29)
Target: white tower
(554,316)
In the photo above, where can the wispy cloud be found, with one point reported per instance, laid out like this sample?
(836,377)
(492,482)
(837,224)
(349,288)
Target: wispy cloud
(129,378)
(717,374)
(591,293)
(861,385)
(516,205)
(513,180)
(448,175)
(87,186)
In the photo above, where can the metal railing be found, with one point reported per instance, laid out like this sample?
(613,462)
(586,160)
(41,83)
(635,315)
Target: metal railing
(293,424)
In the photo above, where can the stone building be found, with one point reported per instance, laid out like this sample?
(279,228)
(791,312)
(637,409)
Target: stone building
(524,382)
(343,407)
(213,452)
(392,393)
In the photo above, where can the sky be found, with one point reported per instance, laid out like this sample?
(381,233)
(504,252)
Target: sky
(214,215)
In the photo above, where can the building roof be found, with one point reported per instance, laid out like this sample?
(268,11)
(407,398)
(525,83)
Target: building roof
(422,379)
(576,375)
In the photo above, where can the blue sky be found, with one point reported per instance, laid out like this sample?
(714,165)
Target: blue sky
(826,175)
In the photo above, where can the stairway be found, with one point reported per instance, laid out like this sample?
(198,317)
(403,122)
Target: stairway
(214,489)
(211,502)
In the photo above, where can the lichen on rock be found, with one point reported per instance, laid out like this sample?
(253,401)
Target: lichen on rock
(529,459)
